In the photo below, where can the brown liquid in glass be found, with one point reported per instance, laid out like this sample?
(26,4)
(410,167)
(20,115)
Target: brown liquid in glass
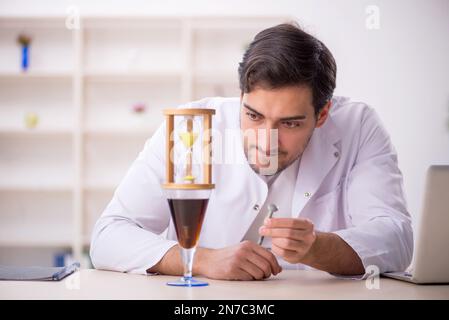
(188,216)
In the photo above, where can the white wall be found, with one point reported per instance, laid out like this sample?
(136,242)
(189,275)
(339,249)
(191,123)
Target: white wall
(402,68)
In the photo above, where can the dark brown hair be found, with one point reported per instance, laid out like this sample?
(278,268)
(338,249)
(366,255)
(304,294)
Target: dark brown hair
(285,55)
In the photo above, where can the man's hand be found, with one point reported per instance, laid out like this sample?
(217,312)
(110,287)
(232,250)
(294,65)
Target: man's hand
(244,261)
(292,239)
(296,241)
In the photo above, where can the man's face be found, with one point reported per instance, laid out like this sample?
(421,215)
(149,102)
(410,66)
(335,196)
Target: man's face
(289,112)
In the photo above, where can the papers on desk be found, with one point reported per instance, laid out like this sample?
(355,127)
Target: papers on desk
(37,273)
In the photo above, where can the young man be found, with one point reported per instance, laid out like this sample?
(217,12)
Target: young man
(336,181)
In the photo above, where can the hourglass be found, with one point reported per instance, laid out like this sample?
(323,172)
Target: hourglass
(188,179)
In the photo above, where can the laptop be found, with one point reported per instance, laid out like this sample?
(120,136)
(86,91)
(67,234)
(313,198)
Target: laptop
(431,256)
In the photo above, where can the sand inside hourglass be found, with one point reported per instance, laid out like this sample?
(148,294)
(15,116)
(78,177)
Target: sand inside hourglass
(188,140)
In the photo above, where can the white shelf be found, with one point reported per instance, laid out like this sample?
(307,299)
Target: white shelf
(132,22)
(51,52)
(125,131)
(133,45)
(35,242)
(217,76)
(235,23)
(215,83)
(57,178)
(101,186)
(19,183)
(35,219)
(39,75)
(133,76)
(34,131)
(35,187)
(96,201)
(33,22)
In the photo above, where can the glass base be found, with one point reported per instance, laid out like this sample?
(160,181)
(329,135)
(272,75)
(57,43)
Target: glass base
(187,282)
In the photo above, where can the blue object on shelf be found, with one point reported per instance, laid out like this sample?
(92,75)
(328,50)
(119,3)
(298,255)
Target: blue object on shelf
(25,57)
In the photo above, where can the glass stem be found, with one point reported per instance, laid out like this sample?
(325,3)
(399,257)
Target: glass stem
(187,259)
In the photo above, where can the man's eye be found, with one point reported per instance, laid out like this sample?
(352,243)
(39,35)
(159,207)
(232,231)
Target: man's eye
(291,124)
(252,116)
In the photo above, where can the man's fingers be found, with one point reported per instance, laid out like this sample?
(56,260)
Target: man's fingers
(243,275)
(267,255)
(293,223)
(261,263)
(288,244)
(294,234)
(252,269)
(284,253)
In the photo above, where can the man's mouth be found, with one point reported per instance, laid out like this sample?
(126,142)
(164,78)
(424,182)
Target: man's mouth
(269,153)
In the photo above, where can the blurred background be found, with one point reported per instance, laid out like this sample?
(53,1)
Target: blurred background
(83,83)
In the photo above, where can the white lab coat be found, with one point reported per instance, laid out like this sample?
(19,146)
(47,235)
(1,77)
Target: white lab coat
(348,183)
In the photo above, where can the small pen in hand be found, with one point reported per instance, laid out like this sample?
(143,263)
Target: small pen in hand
(272,208)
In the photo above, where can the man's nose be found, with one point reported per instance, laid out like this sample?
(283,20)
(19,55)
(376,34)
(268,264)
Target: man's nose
(268,136)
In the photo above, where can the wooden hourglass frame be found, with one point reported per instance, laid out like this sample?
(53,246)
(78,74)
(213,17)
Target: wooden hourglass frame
(189,140)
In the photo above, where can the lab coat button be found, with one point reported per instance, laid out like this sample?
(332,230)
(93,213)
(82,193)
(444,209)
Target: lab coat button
(256,207)
(307,194)
(336,154)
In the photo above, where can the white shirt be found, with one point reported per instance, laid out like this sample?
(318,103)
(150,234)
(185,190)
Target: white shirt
(280,187)
(348,183)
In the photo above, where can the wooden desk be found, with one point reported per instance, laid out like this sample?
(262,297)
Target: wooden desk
(95,284)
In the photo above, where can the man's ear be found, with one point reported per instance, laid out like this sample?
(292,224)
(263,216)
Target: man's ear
(323,114)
